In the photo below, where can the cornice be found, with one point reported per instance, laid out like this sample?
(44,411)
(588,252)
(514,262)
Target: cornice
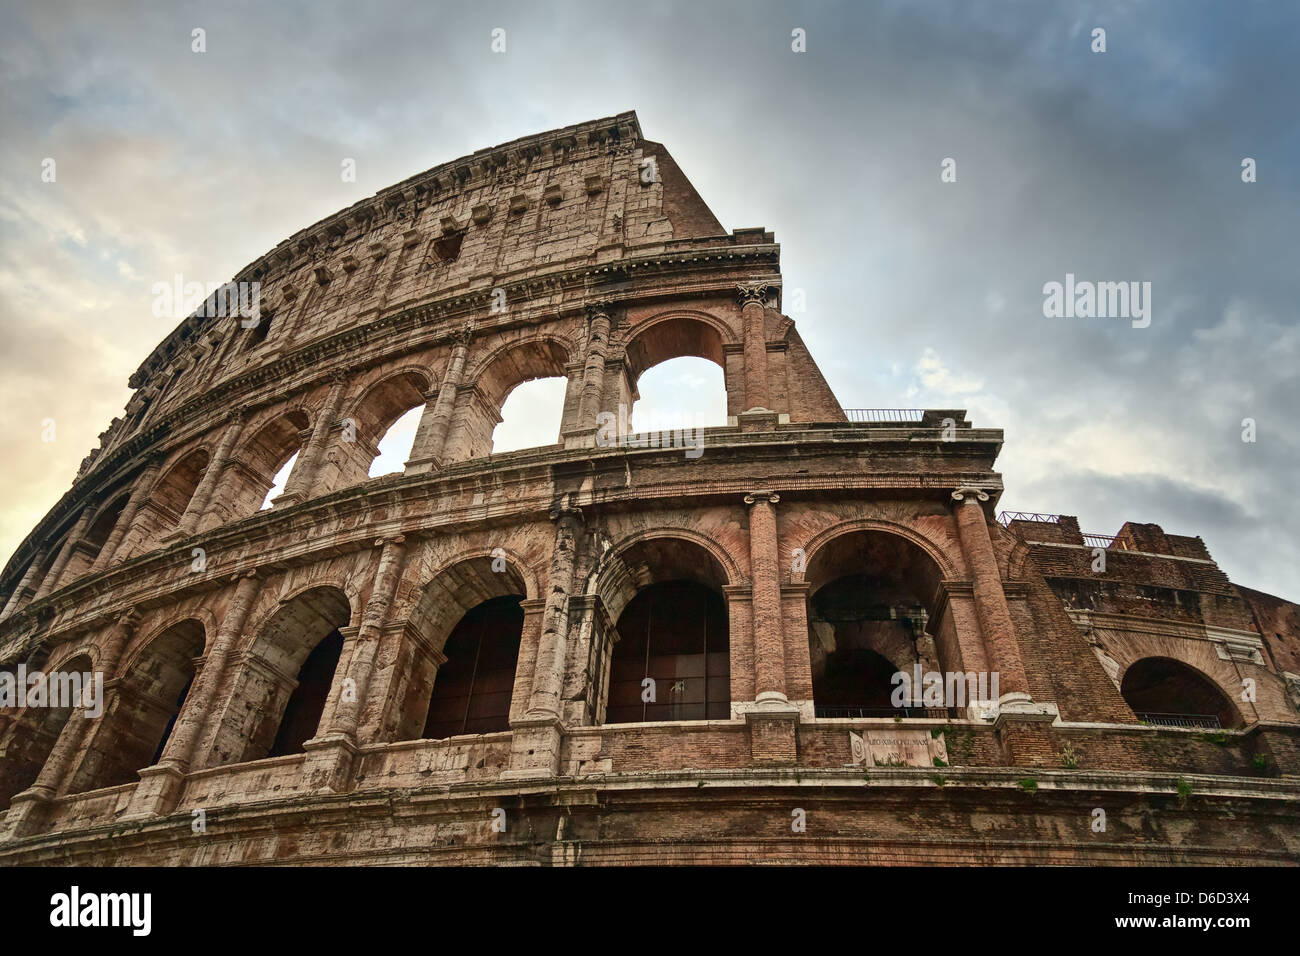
(375,340)
(416,500)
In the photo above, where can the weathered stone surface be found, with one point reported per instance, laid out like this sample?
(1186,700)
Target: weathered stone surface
(826,543)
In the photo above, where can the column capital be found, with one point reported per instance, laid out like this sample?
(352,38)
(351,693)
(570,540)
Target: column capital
(463,335)
(769,497)
(753,293)
(128,620)
(970,493)
(597,307)
(390,539)
(560,512)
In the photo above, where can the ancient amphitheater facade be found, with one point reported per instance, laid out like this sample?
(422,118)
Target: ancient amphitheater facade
(614,648)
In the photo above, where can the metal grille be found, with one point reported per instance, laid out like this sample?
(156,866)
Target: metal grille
(1205,721)
(823,711)
(1006,517)
(885,414)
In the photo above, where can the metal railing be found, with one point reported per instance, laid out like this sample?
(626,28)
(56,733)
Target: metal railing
(885,414)
(1099,540)
(1006,517)
(829,711)
(1199,721)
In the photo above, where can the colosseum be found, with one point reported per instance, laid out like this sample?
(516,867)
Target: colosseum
(621,647)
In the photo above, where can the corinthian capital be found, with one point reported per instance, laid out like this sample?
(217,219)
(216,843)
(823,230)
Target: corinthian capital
(463,335)
(597,307)
(753,292)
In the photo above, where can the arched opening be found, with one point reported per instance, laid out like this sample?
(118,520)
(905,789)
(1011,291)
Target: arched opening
(149,698)
(871,604)
(265,459)
(676,375)
(307,702)
(395,446)
(375,437)
(279,482)
(530,416)
(479,409)
(672,656)
(29,739)
(461,670)
(173,493)
(286,680)
(84,553)
(473,688)
(680,393)
(1170,693)
(101,528)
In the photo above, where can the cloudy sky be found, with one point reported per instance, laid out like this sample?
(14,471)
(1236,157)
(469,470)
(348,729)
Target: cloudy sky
(1117,166)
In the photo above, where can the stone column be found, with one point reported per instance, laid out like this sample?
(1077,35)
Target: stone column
(773,720)
(361,663)
(212,474)
(28,583)
(593,373)
(431,434)
(331,757)
(769,642)
(549,669)
(299,486)
(535,748)
(51,579)
(753,297)
(1001,645)
(200,700)
(143,488)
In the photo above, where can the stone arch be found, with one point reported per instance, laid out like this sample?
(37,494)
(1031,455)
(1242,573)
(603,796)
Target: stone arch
(1170,692)
(143,708)
(264,450)
(664,595)
(672,335)
(371,414)
(30,736)
(874,597)
(601,579)
(940,556)
(86,549)
(172,492)
(461,583)
(519,360)
(202,616)
(462,638)
(101,526)
(282,687)
(85,648)
(489,383)
(1016,561)
(415,578)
